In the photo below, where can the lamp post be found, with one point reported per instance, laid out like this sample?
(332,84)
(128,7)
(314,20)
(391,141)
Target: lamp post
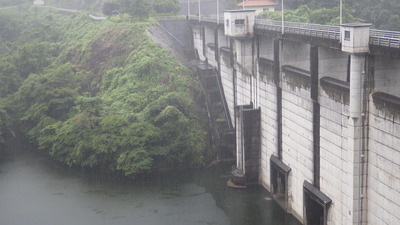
(283,26)
(341,12)
(188,8)
(217,11)
(243,5)
(199,12)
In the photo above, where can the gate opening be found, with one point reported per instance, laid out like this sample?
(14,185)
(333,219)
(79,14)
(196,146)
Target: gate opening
(279,181)
(315,204)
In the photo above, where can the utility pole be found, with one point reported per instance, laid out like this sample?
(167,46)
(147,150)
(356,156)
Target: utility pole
(341,12)
(217,11)
(283,26)
(199,12)
(188,8)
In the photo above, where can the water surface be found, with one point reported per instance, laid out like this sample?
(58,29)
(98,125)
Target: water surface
(37,191)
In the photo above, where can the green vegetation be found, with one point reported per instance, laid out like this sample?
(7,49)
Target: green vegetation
(141,8)
(382,14)
(305,14)
(98,95)
(90,5)
(166,6)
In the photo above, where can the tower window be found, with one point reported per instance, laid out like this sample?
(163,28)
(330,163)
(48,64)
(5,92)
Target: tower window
(347,35)
(239,22)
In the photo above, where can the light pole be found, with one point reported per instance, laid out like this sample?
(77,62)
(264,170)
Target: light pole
(283,26)
(341,12)
(243,5)
(188,8)
(217,11)
(199,12)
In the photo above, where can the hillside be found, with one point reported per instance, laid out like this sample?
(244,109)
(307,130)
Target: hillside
(99,95)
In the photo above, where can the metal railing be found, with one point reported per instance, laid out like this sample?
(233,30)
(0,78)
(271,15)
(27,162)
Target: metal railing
(178,17)
(377,37)
(211,19)
(385,38)
(307,29)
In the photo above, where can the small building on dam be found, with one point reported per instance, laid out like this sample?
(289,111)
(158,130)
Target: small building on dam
(314,110)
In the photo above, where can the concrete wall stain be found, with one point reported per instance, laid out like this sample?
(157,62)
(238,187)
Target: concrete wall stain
(296,77)
(336,89)
(389,104)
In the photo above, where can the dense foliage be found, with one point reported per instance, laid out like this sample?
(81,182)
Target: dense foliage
(382,14)
(77,4)
(140,8)
(98,94)
(305,14)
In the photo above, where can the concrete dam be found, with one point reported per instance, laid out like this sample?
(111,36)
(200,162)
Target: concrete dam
(314,111)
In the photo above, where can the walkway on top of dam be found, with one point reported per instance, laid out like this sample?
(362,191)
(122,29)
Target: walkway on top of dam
(383,38)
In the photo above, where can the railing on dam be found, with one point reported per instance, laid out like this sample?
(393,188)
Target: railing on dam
(307,29)
(383,38)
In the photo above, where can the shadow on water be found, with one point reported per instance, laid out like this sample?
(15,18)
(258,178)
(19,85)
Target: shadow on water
(35,190)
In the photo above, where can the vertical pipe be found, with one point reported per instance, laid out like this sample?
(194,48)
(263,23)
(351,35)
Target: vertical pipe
(203,30)
(240,159)
(242,140)
(235,116)
(238,141)
(256,69)
(216,44)
(234,95)
(252,89)
(361,143)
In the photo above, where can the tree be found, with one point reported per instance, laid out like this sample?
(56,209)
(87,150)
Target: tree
(166,6)
(142,8)
(294,4)
(32,58)
(381,14)
(9,29)
(103,95)
(48,97)
(304,14)
(5,119)
(10,78)
(137,8)
(110,8)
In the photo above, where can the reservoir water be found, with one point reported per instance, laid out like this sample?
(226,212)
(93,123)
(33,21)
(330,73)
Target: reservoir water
(36,191)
